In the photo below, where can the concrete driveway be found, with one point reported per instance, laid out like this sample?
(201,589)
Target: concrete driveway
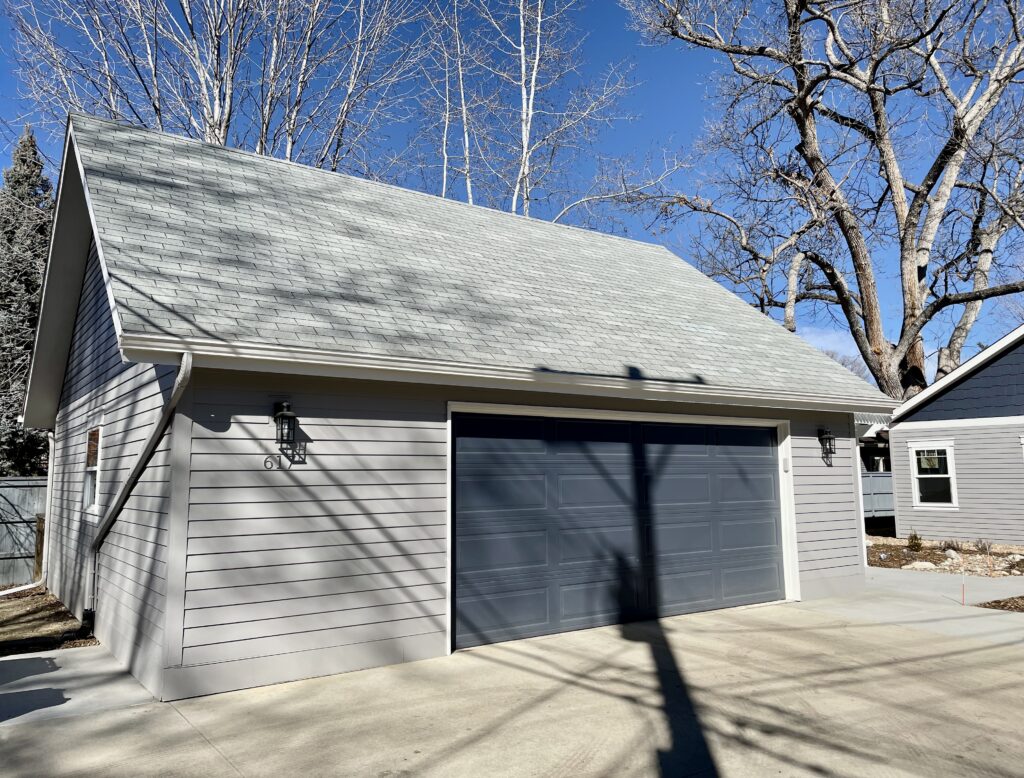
(877,683)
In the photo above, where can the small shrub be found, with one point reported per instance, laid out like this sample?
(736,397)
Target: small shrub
(983,546)
(914,542)
(952,545)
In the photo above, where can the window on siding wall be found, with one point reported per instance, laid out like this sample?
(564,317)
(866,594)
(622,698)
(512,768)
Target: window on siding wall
(91,482)
(934,473)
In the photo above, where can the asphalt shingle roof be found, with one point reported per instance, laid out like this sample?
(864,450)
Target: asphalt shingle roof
(205,242)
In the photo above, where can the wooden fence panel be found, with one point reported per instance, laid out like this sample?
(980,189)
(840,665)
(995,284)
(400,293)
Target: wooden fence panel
(21,501)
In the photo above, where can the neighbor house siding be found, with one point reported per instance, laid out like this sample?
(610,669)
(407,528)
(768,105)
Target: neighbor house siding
(995,389)
(989,464)
(339,562)
(124,400)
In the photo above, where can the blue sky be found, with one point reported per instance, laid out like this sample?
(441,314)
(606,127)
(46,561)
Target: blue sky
(671,106)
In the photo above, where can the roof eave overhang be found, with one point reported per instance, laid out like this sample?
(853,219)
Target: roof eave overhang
(62,283)
(269,358)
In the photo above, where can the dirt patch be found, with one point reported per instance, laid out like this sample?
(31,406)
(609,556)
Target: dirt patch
(893,553)
(897,556)
(998,548)
(1015,604)
(35,620)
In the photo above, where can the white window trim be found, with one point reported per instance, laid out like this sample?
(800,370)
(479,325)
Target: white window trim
(93,512)
(919,445)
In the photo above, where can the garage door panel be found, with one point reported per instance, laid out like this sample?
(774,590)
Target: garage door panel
(511,611)
(752,580)
(683,591)
(759,533)
(663,440)
(506,433)
(683,537)
(595,489)
(597,602)
(571,437)
(680,489)
(755,442)
(637,520)
(747,487)
(597,543)
(503,550)
(491,491)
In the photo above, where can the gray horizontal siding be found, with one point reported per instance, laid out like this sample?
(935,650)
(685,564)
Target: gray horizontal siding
(828,523)
(125,401)
(344,549)
(989,464)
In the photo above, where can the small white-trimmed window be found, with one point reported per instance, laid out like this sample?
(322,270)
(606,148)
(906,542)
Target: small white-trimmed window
(933,471)
(91,481)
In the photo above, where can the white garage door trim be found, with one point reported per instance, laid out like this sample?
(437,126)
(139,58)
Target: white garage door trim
(791,573)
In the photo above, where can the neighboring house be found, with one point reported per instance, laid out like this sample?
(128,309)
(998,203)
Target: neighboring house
(502,427)
(958,450)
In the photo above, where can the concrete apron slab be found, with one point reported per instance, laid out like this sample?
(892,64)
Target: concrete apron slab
(786,689)
(931,602)
(948,587)
(67,682)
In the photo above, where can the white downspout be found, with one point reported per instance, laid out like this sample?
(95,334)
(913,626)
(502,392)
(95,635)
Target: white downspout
(121,498)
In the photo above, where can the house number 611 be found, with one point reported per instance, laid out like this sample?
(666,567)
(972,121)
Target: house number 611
(274,462)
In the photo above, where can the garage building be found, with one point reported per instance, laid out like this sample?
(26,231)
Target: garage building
(305,423)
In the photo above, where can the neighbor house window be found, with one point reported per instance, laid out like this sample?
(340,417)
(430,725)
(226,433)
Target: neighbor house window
(91,484)
(934,474)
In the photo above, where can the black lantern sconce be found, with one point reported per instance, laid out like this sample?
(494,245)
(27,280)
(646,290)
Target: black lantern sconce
(828,443)
(286,423)
(286,426)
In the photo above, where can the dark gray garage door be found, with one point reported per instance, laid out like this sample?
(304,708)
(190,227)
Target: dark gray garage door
(563,524)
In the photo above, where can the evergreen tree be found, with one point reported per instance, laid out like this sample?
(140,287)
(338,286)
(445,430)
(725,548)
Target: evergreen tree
(26,213)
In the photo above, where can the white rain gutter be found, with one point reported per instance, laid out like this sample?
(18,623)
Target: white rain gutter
(180,383)
(46,532)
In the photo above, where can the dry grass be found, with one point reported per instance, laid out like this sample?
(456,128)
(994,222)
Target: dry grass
(35,620)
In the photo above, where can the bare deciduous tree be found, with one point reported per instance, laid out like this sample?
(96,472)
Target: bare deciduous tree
(310,80)
(852,363)
(517,121)
(456,94)
(862,144)
(547,110)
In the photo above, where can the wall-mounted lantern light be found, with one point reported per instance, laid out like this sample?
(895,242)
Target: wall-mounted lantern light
(827,441)
(286,422)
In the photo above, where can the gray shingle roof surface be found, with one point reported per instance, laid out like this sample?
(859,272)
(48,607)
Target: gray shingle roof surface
(202,241)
